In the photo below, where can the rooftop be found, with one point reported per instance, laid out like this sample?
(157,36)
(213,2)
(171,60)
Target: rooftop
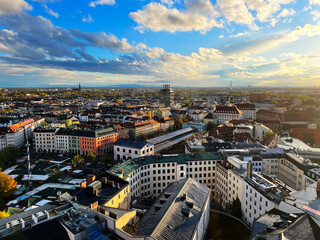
(126,168)
(172,216)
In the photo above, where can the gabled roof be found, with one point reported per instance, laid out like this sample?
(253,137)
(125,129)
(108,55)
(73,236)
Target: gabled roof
(173,217)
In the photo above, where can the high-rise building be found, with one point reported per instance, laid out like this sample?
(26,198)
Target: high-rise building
(166,96)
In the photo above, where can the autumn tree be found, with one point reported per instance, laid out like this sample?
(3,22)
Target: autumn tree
(77,159)
(91,156)
(4,214)
(7,187)
(268,135)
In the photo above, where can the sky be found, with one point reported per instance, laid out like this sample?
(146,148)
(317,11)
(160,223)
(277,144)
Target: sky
(186,43)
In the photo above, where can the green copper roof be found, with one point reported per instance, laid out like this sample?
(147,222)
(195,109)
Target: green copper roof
(125,168)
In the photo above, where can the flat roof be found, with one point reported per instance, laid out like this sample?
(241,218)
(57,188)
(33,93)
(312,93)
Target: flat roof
(171,135)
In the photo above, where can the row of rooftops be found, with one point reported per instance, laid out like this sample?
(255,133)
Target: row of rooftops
(94,133)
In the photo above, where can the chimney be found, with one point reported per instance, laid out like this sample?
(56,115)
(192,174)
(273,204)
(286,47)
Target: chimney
(83,184)
(90,178)
(111,183)
(104,180)
(249,170)
(118,185)
(184,196)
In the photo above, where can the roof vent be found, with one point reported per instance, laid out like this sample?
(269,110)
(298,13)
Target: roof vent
(167,195)
(186,212)
(184,196)
(190,204)
(157,207)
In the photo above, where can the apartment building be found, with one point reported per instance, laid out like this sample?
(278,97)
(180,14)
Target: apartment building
(226,113)
(258,197)
(291,170)
(76,141)
(15,135)
(235,179)
(142,129)
(44,139)
(150,175)
(248,110)
(228,184)
(125,149)
(166,123)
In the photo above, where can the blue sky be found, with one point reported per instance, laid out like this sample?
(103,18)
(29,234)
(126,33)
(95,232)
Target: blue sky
(192,43)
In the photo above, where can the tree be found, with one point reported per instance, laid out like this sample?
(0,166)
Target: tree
(77,159)
(4,214)
(55,175)
(43,123)
(107,160)
(91,156)
(8,186)
(234,208)
(268,135)
(8,156)
(120,101)
(210,126)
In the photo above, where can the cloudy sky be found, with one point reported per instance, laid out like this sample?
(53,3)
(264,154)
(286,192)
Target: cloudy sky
(194,43)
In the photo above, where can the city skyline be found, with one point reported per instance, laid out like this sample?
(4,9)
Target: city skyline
(190,43)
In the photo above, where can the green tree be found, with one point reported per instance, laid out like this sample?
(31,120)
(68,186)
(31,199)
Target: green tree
(107,160)
(8,156)
(55,175)
(91,156)
(77,159)
(234,208)
(210,126)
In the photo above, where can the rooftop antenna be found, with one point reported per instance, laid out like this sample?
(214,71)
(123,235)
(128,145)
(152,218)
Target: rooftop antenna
(28,158)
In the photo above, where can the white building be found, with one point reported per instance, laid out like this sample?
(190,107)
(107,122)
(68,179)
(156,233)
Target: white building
(15,135)
(44,139)
(61,142)
(258,197)
(226,113)
(260,131)
(149,176)
(125,149)
(248,110)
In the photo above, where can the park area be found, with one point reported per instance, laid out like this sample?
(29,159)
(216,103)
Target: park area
(223,227)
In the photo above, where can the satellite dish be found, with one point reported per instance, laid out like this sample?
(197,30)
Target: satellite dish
(59,193)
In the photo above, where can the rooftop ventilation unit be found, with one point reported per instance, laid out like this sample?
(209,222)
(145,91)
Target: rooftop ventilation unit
(186,212)
(157,207)
(163,200)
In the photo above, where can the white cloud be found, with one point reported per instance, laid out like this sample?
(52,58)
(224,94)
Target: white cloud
(314,2)
(220,36)
(14,6)
(239,34)
(102,2)
(199,16)
(287,12)
(248,11)
(236,11)
(315,15)
(50,11)
(87,19)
